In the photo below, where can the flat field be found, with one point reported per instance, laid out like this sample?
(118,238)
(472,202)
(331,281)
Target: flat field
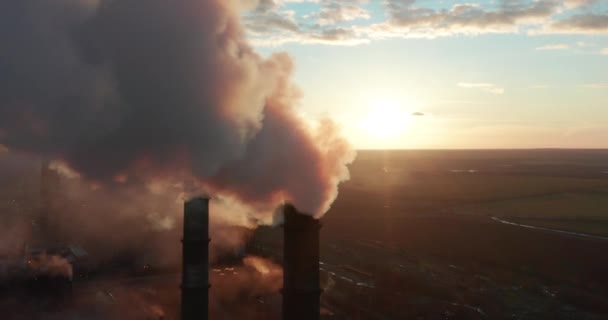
(418,226)
(568,188)
(411,236)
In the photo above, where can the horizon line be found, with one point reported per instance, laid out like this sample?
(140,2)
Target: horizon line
(483,149)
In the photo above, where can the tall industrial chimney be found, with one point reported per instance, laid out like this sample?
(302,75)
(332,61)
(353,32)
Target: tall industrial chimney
(195,266)
(48,182)
(301,287)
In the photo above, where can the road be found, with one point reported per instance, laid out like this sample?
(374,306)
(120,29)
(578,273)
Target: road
(562,232)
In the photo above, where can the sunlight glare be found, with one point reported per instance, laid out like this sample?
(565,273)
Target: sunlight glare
(386,119)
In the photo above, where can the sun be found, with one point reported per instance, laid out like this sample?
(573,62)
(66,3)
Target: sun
(385,119)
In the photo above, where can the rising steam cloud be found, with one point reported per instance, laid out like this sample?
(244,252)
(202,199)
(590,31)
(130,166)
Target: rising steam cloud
(51,265)
(141,91)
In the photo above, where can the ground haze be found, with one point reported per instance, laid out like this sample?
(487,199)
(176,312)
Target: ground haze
(433,234)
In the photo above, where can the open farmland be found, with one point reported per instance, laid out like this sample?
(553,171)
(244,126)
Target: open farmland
(417,226)
(411,236)
(551,184)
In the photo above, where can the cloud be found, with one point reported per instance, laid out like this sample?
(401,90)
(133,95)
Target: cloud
(553,47)
(326,36)
(470,14)
(574,4)
(268,18)
(270,24)
(466,18)
(418,114)
(488,87)
(407,20)
(604,51)
(595,85)
(413,19)
(335,12)
(584,23)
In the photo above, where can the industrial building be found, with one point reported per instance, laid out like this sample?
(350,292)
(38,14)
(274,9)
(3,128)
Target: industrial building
(301,275)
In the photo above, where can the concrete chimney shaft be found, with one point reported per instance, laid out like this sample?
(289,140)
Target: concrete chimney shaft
(195,266)
(301,287)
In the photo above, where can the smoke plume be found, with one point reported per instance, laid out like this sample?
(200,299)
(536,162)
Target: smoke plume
(152,93)
(52,265)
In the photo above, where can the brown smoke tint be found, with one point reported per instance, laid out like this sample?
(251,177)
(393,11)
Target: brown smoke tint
(140,91)
(51,265)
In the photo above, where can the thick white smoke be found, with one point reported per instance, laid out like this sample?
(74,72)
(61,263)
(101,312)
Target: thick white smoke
(156,92)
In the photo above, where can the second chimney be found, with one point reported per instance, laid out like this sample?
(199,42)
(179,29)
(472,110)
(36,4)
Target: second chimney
(301,287)
(195,265)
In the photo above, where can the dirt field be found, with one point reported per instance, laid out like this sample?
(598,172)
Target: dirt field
(411,236)
(418,224)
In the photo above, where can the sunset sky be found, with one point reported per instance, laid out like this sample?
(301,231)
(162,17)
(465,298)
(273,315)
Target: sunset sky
(447,74)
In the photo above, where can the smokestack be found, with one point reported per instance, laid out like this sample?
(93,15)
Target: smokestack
(195,266)
(47,182)
(301,287)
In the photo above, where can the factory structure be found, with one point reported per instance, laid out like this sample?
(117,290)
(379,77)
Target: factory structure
(301,275)
(195,266)
(300,294)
